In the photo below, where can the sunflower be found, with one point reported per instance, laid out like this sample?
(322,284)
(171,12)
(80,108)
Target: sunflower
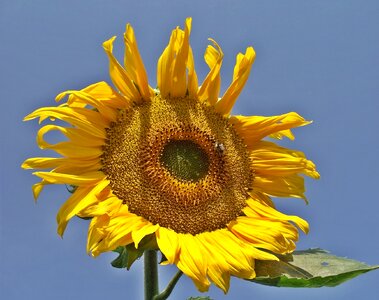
(172,165)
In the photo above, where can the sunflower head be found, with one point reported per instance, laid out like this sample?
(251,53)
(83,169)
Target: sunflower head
(172,165)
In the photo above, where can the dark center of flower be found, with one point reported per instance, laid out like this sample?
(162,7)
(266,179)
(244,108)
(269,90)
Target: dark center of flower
(185,160)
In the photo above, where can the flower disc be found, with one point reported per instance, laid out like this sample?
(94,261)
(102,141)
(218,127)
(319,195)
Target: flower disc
(179,164)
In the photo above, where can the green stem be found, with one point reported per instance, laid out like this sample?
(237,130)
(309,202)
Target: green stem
(151,274)
(166,293)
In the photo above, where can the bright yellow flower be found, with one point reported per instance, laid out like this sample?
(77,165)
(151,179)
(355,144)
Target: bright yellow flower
(172,165)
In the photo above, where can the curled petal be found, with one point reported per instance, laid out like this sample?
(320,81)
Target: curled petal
(210,88)
(134,65)
(89,121)
(173,64)
(120,78)
(271,159)
(79,96)
(255,128)
(241,74)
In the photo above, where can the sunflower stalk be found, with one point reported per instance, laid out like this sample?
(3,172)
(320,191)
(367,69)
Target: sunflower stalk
(151,278)
(151,274)
(167,291)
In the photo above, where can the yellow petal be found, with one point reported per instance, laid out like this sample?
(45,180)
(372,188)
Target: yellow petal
(261,197)
(210,88)
(134,64)
(193,85)
(164,67)
(77,180)
(76,135)
(62,165)
(267,211)
(146,229)
(179,74)
(70,149)
(168,243)
(218,267)
(254,128)
(289,186)
(265,233)
(240,76)
(119,76)
(89,121)
(80,199)
(172,65)
(271,159)
(42,162)
(109,206)
(193,262)
(95,232)
(37,188)
(103,92)
(239,255)
(118,232)
(79,166)
(79,96)
(106,246)
(228,248)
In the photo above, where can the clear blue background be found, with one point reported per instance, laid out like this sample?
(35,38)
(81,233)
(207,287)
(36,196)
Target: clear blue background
(319,58)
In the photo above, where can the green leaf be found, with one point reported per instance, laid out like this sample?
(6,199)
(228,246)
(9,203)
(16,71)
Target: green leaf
(122,260)
(309,268)
(129,254)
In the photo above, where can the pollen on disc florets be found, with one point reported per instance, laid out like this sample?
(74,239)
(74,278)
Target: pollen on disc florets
(178,163)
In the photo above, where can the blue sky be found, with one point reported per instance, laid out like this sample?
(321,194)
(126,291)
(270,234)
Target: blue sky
(319,58)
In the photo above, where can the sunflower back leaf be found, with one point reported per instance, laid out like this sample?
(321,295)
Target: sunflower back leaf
(309,268)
